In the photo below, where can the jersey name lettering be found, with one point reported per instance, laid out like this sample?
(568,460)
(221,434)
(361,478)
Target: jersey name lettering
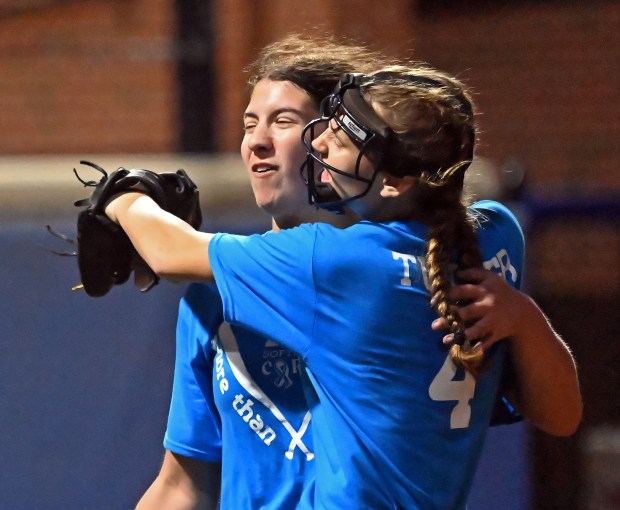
(501,261)
(414,269)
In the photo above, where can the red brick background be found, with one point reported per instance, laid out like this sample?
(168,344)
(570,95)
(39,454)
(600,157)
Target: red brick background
(99,76)
(87,76)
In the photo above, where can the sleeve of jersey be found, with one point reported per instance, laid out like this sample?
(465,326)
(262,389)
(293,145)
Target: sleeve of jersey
(267,283)
(194,426)
(501,224)
(509,262)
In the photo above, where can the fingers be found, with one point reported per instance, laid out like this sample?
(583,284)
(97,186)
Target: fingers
(471,334)
(474,311)
(470,312)
(439,324)
(466,292)
(448,339)
(486,304)
(474,274)
(476,331)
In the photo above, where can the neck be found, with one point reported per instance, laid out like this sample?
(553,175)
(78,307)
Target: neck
(381,205)
(399,208)
(314,215)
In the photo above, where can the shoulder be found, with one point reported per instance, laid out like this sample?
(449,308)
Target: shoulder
(493,210)
(501,240)
(200,292)
(201,306)
(493,215)
(199,296)
(282,238)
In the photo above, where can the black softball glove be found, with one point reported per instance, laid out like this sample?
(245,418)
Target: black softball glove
(105,254)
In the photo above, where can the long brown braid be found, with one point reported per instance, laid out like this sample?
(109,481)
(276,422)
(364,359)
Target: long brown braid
(432,116)
(453,232)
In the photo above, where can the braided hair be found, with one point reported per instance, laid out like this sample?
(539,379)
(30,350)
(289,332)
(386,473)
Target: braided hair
(431,114)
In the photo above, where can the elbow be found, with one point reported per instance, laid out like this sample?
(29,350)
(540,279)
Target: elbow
(163,270)
(179,268)
(566,423)
(160,264)
(572,424)
(566,429)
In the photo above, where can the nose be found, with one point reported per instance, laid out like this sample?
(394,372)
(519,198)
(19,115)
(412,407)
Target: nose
(319,145)
(259,139)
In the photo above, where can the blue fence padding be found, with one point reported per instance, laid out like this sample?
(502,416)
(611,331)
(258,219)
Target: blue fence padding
(85,385)
(84,382)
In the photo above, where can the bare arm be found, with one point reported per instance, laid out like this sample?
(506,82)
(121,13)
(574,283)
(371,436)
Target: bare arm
(171,247)
(546,391)
(183,484)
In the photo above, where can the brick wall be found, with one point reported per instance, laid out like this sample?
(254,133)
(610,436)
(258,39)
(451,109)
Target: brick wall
(89,76)
(547,82)
(245,26)
(99,76)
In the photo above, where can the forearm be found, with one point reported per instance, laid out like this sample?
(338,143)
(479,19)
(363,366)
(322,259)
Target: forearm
(547,386)
(171,247)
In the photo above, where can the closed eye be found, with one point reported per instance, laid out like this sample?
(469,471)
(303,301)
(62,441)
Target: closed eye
(284,121)
(249,122)
(334,133)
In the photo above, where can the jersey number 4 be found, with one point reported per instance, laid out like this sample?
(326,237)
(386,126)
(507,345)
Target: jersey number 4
(445,388)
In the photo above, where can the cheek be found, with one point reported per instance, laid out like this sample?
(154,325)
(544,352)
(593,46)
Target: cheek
(366,168)
(245,155)
(244,150)
(292,153)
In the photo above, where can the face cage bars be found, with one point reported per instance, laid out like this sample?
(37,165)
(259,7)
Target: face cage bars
(352,114)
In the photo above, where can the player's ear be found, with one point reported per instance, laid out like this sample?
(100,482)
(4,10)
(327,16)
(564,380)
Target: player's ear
(396,186)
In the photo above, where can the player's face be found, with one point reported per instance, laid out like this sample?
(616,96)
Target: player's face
(337,149)
(271,148)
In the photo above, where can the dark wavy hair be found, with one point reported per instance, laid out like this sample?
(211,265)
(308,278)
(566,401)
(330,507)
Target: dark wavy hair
(314,64)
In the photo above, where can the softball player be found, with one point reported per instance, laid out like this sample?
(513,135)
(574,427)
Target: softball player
(237,405)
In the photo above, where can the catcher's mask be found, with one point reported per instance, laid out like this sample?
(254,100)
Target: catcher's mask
(348,109)
(375,139)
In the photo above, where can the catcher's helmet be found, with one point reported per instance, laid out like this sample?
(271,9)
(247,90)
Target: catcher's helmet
(349,110)
(357,119)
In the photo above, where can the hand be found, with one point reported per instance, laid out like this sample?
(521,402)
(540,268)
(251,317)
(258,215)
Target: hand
(492,308)
(105,253)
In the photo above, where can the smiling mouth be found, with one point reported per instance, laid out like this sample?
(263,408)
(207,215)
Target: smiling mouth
(261,169)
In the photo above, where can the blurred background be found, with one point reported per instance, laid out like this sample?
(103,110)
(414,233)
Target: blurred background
(85,383)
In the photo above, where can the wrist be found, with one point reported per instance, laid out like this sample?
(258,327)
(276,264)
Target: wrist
(119,204)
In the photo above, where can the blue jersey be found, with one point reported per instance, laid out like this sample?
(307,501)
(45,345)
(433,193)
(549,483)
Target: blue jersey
(395,424)
(237,399)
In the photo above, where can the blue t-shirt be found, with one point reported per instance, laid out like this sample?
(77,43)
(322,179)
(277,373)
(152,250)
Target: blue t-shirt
(237,399)
(394,425)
